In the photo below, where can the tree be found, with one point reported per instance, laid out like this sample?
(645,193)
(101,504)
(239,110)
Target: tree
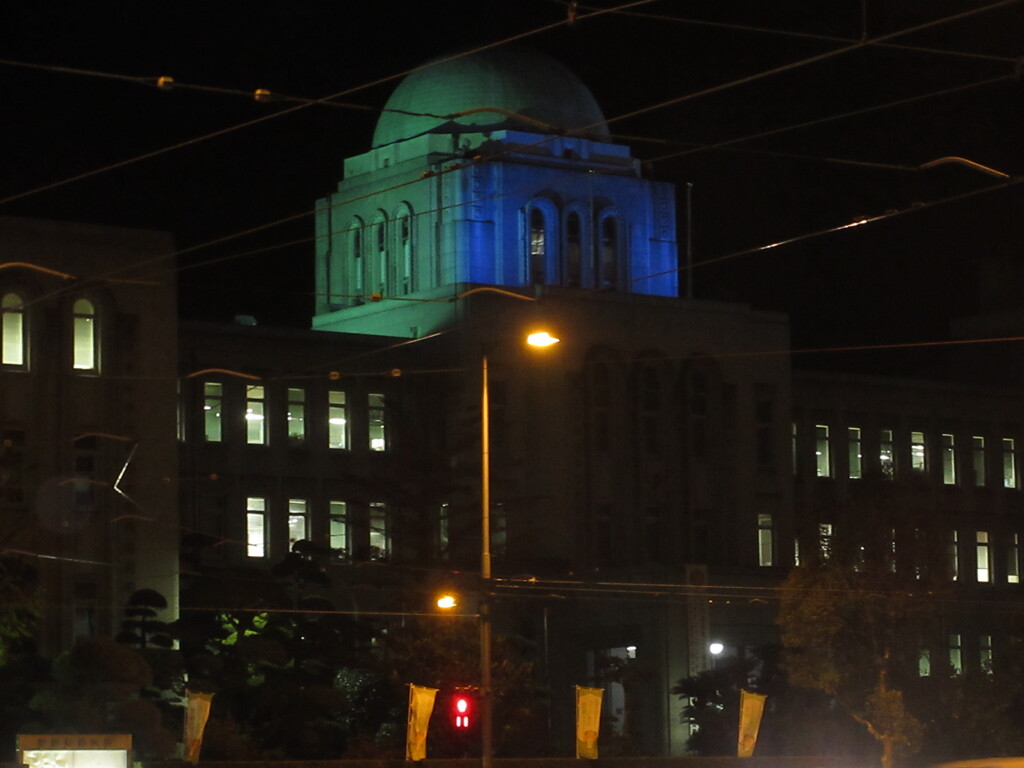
(857,634)
(19,605)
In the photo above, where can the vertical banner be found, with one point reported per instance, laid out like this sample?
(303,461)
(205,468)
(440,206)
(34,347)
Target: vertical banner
(421,705)
(197,712)
(751,709)
(588,721)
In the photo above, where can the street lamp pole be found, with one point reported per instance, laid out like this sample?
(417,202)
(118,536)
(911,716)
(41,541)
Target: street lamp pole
(486,694)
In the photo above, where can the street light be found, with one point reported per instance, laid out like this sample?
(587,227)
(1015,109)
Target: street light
(534,339)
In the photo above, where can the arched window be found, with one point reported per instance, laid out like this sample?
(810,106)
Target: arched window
(538,246)
(573,250)
(380,250)
(403,234)
(84,347)
(355,245)
(608,254)
(12,331)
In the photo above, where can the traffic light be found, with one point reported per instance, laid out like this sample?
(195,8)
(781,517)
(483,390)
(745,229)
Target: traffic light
(462,711)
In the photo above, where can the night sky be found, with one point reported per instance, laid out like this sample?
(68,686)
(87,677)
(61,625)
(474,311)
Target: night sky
(891,281)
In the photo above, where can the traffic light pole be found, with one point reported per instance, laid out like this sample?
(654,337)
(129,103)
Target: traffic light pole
(486,697)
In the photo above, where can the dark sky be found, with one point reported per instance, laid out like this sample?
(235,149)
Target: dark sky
(892,281)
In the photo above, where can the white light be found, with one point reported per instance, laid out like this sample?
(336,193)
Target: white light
(339,422)
(715,649)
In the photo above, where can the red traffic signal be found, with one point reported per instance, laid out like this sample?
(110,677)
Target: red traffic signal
(462,711)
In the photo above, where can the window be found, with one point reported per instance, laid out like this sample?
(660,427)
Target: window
(890,554)
(405,250)
(499,530)
(650,407)
(443,531)
(608,266)
(978,459)
(956,661)
(538,246)
(886,454)
(796,552)
(12,331)
(84,352)
(298,522)
(255,421)
(918,454)
(296,414)
(12,466)
(765,540)
(337,420)
(985,653)
(764,444)
(953,550)
(85,473)
(825,541)
(1013,559)
(380,238)
(853,442)
(376,415)
(821,451)
(356,248)
(982,549)
(924,663)
(1009,463)
(338,530)
(573,255)
(213,401)
(380,535)
(255,526)
(948,459)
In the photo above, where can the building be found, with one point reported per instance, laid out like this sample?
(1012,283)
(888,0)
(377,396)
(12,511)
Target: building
(89,469)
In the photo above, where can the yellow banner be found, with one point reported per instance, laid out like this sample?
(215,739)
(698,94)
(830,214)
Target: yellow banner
(751,709)
(588,721)
(421,705)
(197,712)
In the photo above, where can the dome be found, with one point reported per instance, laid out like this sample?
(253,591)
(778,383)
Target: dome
(502,79)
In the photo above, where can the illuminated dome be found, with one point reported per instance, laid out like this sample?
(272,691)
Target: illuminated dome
(500,81)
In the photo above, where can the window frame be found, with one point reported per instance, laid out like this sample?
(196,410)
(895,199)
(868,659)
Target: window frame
(14,322)
(85,336)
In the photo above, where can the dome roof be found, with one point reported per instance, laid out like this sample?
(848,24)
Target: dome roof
(498,81)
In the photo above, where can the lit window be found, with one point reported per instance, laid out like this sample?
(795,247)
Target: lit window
(890,554)
(376,415)
(337,420)
(886,454)
(380,535)
(985,653)
(296,414)
(84,336)
(924,663)
(953,550)
(1009,463)
(821,451)
(608,268)
(538,246)
(853,439)
(956,661)
(825,541)
(338,530)
(918,456)
(796,552)
(982,549)
(1013,559)
(298,522)
(256,526)
(255,421)
(765,540)
(948,459)
(978,459)
(12,331)
(213,400)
